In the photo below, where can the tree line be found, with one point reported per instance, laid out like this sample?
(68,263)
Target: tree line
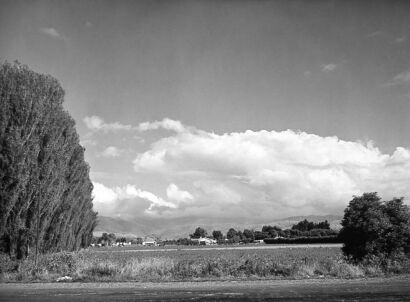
(45,189)
(373,232)
(303,229)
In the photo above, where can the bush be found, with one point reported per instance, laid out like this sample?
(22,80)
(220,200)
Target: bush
(100,270)
(7,264)
(375,230)
(61,263)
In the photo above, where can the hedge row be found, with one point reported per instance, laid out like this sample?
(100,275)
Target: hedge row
(301,240)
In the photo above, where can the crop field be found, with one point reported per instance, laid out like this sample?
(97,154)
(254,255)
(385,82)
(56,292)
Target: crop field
(194,263)
(280,254)
(211,263)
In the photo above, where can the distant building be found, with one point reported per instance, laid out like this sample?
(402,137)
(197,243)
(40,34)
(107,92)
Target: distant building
(204,241)
(149,242)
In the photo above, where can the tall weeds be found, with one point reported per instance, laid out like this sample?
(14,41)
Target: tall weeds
(82,267)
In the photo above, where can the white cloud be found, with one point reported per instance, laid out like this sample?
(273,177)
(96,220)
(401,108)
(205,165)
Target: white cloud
(131,192)
(217,192)
(111,151)
(376,33)
(402,78)
(119,200)
(400,40)
(103,195)
(104,199)
(174,193)
(263,174)
(329,67)
(269,173)
(52,32)
(155,200)
(166,124)
(95,123)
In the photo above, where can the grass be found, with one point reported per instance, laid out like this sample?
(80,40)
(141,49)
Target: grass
(188,265)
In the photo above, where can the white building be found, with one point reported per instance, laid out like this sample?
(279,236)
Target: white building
(204,241)
(149,242)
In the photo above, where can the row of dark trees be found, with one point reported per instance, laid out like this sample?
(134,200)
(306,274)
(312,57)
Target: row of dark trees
(107,239)
(306,225)
(45,190)
(305,229)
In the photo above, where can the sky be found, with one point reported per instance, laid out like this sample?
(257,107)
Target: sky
(227,109)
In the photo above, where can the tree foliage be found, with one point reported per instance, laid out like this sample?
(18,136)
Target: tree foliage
(217,235)
(234,236)
(42,167)
(249,234)
(199,233)
(271,231)
(372,228)
(107,239)
(306,225)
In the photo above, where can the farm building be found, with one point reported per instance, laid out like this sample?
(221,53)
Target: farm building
(149,242)
(204,241)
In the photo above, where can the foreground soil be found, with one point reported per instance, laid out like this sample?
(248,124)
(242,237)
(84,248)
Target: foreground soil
(380,289)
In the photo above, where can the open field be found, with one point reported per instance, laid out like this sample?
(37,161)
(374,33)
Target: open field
(377,289)
(140,248)
(284,254)
(196,264)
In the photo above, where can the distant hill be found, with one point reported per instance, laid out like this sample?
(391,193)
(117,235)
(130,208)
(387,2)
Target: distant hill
(182,227)
(120,227)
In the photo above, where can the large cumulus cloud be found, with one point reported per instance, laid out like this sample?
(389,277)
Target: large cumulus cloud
(274,173)
(260,174)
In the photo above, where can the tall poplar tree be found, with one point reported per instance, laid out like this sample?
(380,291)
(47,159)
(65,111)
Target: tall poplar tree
(45,189)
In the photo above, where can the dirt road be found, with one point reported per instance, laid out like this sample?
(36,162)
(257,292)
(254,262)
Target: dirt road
(391,289)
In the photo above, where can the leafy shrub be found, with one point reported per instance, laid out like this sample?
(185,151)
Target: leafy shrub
(100,270)
(64,263)
(375,230)
(7,264)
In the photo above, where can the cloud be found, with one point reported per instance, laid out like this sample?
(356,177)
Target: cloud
(387,37)
(400,79)
(111,151)
(376,33)
(270,174)
(52,32)
(103,195)
(329,67)
(119,200)
(96,123)
(166,124)
(260,174)
(131,192)
(174,193)
(400,40)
